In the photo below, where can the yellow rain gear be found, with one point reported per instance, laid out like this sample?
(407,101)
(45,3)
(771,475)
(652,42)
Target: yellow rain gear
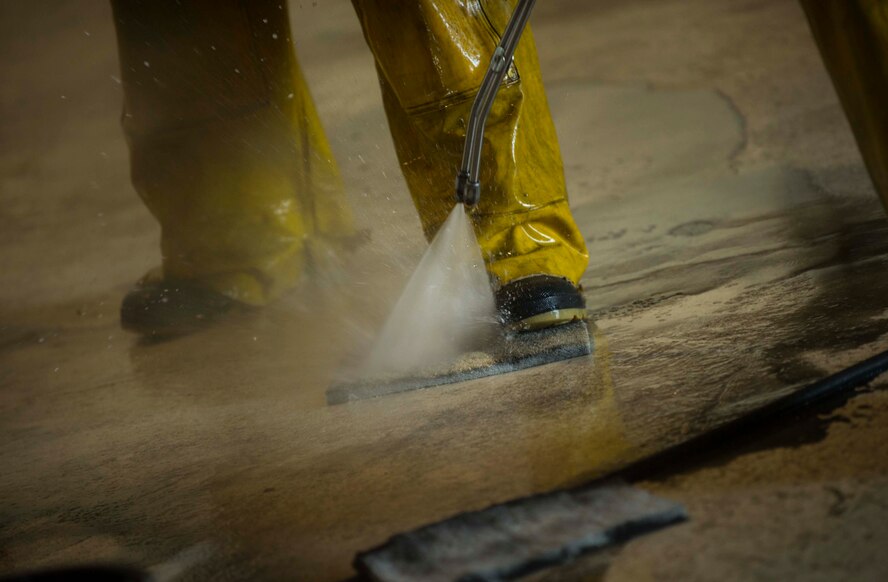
(229,155)
(853,40)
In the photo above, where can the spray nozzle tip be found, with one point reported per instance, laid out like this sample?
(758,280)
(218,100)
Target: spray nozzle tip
(468,192)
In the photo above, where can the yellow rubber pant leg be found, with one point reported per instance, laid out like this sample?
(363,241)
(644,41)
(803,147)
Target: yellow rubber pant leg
(431,56)
(853,40)
(226,148)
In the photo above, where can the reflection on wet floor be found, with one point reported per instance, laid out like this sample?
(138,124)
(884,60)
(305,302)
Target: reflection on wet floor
(226,437)
(330,479)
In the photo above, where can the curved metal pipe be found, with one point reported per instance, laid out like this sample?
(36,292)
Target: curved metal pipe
(468,185)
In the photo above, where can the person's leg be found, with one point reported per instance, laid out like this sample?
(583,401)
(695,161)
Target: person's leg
(226,147)
(431,56)
(853,40)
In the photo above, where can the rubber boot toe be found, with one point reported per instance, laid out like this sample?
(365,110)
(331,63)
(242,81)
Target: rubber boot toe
(539,301)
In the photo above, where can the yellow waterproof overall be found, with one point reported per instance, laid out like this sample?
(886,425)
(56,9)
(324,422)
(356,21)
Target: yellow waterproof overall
(228,153)
(853,40)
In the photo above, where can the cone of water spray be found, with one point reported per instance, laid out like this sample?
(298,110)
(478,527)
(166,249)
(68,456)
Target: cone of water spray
(446,306)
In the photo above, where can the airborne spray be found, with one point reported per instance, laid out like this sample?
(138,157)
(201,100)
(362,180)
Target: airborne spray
(445,308)
(448,301)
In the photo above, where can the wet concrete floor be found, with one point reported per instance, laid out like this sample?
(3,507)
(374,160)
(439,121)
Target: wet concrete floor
(738,253)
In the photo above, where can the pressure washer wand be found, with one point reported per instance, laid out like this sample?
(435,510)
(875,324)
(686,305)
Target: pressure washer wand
(468,185)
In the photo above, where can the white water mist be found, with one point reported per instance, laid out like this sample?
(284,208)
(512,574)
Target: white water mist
(445,308)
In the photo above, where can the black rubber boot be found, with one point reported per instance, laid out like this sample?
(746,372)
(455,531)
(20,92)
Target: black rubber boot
(539,301)
(173,307)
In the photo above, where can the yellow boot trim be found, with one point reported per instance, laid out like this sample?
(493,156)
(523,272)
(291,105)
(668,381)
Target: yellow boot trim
(550,319)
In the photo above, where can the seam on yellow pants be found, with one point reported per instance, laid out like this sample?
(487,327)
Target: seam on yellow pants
(513,77)
(304,194)
(451,100)
(512,74)
(522,211)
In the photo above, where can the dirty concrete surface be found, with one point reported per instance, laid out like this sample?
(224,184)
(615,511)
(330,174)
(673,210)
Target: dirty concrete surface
(738,253)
